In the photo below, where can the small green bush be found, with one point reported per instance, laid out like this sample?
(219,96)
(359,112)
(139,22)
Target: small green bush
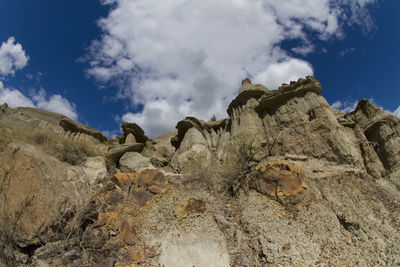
(201,167)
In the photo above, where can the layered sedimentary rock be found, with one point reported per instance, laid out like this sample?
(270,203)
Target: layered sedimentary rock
(382,138)
(80,131)
(196,136)
(295,119)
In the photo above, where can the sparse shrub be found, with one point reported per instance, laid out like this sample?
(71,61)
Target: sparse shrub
(240,159)
(201,167)
(213,118)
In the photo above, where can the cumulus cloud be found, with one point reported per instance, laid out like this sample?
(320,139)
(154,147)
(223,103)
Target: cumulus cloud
(278,73)
(12,57)
(179,58)
(14,98)
(55,103)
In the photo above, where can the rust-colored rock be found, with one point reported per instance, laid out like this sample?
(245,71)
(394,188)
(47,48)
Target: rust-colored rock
(124,179)
(128,233)
(279,179)
(141,187)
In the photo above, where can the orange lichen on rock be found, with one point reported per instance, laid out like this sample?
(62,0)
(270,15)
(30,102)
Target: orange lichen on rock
(279,179)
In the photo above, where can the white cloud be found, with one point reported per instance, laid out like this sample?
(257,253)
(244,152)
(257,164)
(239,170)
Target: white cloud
(55,103)
(345,106)
(397,112)
(284,72)
(14,98)
(187,57)
(12,57)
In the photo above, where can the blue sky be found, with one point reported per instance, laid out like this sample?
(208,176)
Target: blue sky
(152,62)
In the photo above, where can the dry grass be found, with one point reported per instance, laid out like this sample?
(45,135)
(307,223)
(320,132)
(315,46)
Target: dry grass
(63,149)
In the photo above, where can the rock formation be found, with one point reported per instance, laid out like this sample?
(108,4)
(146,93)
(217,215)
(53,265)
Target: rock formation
(283,181)
(38,195)
(75,128)
(131,128)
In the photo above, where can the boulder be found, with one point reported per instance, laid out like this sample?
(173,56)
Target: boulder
(134,162)
(39,194)
(130,139)
(135,130)
(115,152)
(95,168)
(279,179)
(143,186)
(72,126)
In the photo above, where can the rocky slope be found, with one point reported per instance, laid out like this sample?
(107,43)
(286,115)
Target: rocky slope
(283,181)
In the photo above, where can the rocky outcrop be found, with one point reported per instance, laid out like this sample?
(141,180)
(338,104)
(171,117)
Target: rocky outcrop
(134,162)
(115,152)
(135,130)
(295,119)
(379,133)
(74,128)
(95,169)
(141,187)
(382,130)
(195,136)
(279,179)
(39,195)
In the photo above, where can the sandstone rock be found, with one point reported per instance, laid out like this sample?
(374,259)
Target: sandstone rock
(39,193)
(124,179)
(135,130)
(247,92)
(279,179)
(143,186)
(274,99)
(158,161)
(130,139)
(72,254)
(163,145)
(71,126)
(382,131)
(196,136)
(95,168)
(114,153)
(134,162)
